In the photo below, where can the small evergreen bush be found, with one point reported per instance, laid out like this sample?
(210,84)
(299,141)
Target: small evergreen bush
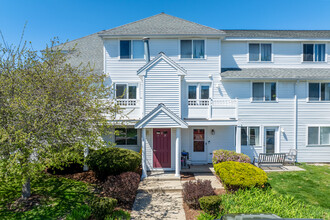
(227,155)
(194,190)
(236,175)
(210,204)
(119,215)
(113,161)
(80,213)
(102,207)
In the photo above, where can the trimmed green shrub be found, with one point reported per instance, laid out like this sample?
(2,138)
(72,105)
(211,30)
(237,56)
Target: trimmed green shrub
(210,204)
(81,213)
(113,161)
(267,201)
(194,190)
(103,206)
(236,175)
(227,155)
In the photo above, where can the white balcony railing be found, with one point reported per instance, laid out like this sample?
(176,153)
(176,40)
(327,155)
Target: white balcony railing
(128,102)
(198,102)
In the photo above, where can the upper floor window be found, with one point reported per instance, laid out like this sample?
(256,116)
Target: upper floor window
(318,135)
(126,136)
(250,136)
(260,52)
(126,94)
(192,49)
(314,52)
(131,49)
(264,91)
(319,91)
(198,95)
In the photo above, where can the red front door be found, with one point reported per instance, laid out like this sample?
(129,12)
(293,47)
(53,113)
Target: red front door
(162,148)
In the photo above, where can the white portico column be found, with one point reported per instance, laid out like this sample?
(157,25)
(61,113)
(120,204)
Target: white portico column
(238,139)
(144,158)
(178,152)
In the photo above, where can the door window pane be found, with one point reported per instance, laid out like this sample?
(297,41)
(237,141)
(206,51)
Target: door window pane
(205,92)
(132,92)
(254,52)
(199,140)
(270,141)
(308,52)
(266,52)
(325,91)
(125,49)
(270,91)
(192,92)
(313,135)
(254,136)
(314,91)
(186,49)
(121,91)
(244,136)
(319,52)
(138,49)
(258,91)
(198,48)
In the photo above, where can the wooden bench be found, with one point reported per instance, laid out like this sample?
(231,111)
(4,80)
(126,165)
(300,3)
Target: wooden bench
(275,159)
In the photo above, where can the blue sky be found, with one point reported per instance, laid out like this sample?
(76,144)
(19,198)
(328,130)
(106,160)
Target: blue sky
(72,19)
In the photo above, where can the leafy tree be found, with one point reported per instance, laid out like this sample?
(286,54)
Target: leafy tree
(49,110)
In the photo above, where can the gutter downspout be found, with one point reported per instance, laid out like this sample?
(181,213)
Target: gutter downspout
(295,116)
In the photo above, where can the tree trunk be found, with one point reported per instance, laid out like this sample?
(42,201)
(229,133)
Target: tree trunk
(26,189)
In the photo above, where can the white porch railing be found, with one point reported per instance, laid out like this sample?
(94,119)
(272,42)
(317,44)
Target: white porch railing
(199,102)
(128,102)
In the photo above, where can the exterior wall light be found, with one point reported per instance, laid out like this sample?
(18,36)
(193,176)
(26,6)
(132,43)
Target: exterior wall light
(212,132)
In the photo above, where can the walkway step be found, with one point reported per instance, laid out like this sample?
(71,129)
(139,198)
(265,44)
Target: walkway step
(160,186)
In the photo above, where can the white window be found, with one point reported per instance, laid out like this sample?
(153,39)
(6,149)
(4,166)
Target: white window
(250,136)
(318,135)
(319,91)
(314,52)
(126,136)
(126,94)
(198,94)
(192,49)
(260,52)
(264,91)
(131,49)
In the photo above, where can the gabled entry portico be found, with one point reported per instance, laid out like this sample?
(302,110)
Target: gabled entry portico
(161,144)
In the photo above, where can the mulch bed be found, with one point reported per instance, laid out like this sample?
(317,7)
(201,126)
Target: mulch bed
(23,205)
(187,176)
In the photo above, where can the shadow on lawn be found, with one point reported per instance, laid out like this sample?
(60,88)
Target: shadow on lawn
(59,197)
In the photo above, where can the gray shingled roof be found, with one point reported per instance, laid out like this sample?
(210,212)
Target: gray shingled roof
(276,73)
(162,24)
(88,49)
(303,34)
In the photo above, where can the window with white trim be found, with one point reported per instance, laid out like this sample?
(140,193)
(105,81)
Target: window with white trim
(192,49)
(318,135)
(314,52)
(131,49)
(260,52)
(264,91)
(126,136)
(319,91)
(198,94)
(250,136)
(126,94)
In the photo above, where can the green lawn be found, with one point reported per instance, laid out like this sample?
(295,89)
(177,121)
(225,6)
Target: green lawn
(60,197)
(311,186)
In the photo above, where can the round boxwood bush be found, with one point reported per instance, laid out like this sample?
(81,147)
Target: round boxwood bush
(236,175)
(227,155)
(210,204)
(113,161)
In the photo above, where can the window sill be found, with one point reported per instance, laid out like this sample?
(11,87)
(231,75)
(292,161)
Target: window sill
(260,61)
(201,59)
(314,62)
(255,146)
(318,101)
(132,59)
(318,145)
(264,101)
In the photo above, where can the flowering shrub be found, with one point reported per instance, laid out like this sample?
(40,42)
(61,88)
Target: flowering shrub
(227,155)
(193,191)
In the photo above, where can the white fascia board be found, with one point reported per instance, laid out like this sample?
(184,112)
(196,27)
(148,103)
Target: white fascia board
(211,122)
(275,39)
